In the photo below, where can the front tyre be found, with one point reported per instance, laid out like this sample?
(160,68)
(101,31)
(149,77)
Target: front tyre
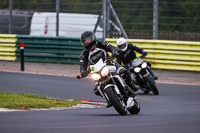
(151,85)
(116,101)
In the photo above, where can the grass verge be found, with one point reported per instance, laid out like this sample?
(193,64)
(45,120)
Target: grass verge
(27,101)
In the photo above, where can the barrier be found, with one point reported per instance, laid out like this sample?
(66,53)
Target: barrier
(8,47)
(164,54)
(50,49)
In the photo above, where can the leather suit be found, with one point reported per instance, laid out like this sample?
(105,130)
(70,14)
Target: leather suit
(92,57)
(128,55)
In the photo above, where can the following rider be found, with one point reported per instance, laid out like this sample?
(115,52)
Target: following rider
(127,53)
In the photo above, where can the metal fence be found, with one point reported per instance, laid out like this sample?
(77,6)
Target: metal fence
(146,19)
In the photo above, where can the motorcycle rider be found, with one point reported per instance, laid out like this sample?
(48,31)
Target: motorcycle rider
(95,50)
(127,53)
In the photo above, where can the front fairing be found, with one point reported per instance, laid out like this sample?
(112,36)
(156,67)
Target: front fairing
(97,67)
(136,62)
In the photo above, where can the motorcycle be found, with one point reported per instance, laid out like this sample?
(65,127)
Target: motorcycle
(112,87)
(143,76)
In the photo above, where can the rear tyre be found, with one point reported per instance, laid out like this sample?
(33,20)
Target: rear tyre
(116,101)
(152,85)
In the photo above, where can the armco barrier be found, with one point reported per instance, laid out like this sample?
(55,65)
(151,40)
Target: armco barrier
(50,49)
(176,55)
(7,47)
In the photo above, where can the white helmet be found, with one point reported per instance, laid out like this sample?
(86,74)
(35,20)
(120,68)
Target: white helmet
(122,44)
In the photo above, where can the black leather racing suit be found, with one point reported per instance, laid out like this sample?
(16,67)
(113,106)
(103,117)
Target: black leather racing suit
(128,55)
(92,57)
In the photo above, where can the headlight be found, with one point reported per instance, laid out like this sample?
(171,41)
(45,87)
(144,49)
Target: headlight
(96,76)
(137,69)
(144,65)
(104,71)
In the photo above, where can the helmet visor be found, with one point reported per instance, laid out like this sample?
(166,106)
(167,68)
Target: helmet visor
(122,46)
(88,40)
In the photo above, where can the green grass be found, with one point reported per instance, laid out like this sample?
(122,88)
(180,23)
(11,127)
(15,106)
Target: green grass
(27,101)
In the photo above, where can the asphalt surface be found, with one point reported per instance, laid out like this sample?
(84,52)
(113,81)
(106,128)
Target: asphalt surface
(175,110)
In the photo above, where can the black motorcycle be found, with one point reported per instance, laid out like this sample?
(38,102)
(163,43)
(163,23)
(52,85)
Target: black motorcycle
(142,75)
(112,87)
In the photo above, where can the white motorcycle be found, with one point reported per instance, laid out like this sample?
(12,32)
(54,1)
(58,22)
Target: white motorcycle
(113,88)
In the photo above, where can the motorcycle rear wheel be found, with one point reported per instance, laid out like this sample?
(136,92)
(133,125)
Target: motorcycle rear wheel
(152,85)
(116,101)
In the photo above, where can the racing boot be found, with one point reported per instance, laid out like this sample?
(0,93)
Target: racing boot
(133,86)
(130,92)
(151,71)
(126,74)
(131,83)
(109,104)
(153,75)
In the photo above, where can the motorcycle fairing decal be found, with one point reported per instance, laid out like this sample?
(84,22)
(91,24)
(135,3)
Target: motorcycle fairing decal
(97,67)
(135,60)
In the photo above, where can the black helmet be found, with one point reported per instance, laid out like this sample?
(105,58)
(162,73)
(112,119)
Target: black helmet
(88,39)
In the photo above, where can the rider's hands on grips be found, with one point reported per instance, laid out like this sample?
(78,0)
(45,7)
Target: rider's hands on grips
(144,53)
(115,53)
(141,57)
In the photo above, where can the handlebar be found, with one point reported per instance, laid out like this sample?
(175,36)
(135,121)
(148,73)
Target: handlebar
(115,54)
(80,76)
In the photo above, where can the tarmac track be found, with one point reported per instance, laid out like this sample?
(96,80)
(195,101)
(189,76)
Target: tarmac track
(175,110)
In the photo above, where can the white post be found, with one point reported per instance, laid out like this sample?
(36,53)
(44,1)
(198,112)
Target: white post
(57,16)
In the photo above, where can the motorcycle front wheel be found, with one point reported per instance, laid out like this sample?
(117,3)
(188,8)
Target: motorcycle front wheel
(152,85)
(116,101)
